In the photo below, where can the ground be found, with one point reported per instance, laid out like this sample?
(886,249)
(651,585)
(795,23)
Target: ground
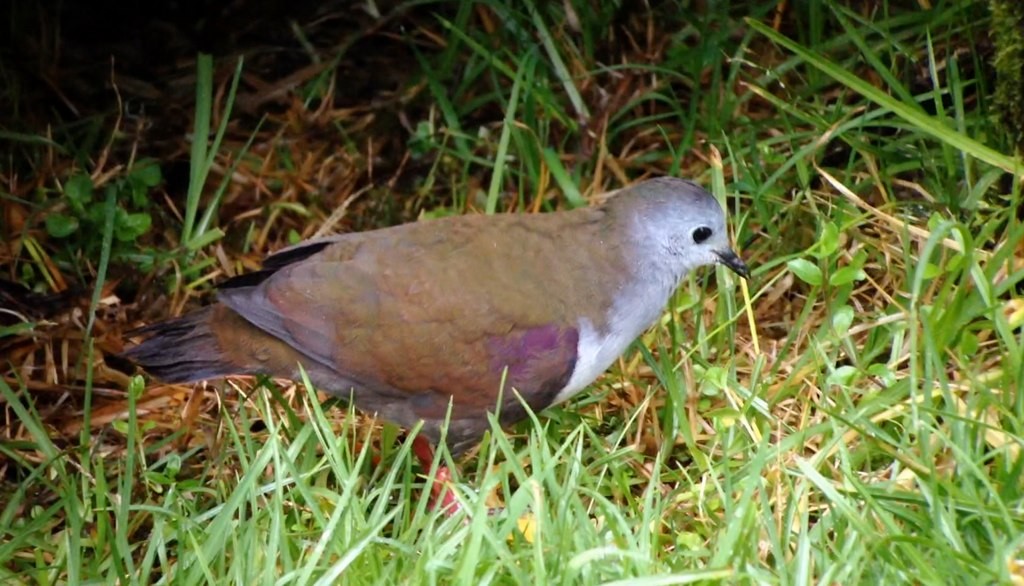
(851,414)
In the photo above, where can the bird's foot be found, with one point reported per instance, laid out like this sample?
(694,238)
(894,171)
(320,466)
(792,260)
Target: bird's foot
(441,496)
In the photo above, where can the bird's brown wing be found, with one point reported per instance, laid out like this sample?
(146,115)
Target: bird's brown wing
(414,322)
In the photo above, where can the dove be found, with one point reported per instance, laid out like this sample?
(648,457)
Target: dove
(441,322)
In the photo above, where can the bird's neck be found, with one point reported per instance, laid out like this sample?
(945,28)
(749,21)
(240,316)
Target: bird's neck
(635,306)
(639,304)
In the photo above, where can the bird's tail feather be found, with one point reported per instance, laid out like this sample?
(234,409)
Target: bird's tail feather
(182,350)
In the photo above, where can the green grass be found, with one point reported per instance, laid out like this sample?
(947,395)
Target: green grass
(860,421)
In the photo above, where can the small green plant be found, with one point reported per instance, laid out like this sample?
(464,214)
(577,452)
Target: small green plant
(80,224)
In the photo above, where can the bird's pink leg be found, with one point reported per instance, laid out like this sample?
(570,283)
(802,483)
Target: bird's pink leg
(441,497)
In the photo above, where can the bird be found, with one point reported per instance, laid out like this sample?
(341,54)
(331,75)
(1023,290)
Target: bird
(441,322)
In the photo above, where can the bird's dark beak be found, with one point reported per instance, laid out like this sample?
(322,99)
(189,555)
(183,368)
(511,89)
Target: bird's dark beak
(732,260)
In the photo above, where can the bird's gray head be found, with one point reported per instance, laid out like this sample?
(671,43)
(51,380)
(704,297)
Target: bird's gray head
(677,224)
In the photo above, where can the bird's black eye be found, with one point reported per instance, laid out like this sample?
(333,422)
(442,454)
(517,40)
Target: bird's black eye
(701,234)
